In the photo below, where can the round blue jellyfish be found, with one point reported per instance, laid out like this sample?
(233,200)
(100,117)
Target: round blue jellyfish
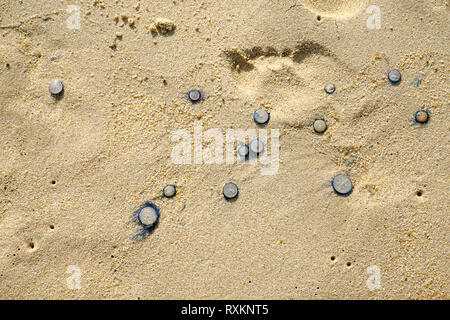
(342,184)
(421,116)
(243,151)
(194,95)
(261,116)
(146,217)
(394,76)
(169,191)
(230,191)
(256,147)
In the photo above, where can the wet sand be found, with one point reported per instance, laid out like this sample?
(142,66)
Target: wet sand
(74,169)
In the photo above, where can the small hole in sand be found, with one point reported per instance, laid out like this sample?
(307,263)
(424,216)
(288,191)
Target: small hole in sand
(53,182)
(419,193)
(349,264)
(333,258)
(31,245)
(52,226)
(319,18)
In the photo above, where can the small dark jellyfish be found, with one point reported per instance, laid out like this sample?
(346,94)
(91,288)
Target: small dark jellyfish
(230,191)
(261,116)
(194,95)
(256,146)
(113,46)
(421,116)
(146,217)
(243,151)
(169,191)
(330,88)
(320,126)
(394,76)
(342,184)
(56,87)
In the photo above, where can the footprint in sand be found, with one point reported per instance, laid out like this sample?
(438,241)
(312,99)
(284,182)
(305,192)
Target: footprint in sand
(289,82)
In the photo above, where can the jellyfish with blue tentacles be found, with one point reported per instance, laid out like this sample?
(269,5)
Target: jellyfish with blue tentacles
(394,76)
(422,116)
(230,191)
(261,116)
(243,152)
(146,217)
(342,184)
(256,147)
(169,191)
(194,95)
(320,125)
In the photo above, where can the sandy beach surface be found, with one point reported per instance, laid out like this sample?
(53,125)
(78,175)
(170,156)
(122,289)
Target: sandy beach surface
(74,168)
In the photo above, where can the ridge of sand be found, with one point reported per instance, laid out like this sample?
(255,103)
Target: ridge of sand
(339,9)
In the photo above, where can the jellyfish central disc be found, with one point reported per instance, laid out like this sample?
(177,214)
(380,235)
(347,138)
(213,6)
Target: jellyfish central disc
(55,87)
(342,184)
(256,146)
(230,190)
(261,116)
(194,95)
(148,216)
